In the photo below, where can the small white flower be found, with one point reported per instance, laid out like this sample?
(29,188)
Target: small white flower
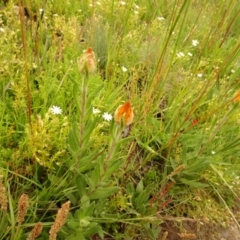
(107,116)
(124,69)
(122,3)
(98,3)
(195,43)
(2,29)
(213,152)
(56,110)
(160,18)
(180,54)
(189,54)
(232,71)
(136,12)
(136,6)
(41,10)
(200,75)
(96,111)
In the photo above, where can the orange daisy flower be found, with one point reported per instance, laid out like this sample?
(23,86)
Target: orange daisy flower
(124,113)
(87,62)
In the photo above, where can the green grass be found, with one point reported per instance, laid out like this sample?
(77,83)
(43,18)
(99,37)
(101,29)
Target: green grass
(177,62)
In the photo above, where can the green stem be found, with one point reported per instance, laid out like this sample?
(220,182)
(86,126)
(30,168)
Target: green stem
(82,115)
(116,137)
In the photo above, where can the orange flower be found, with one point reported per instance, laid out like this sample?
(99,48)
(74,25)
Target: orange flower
(124,113)
(237,98)
(87,62)
(194,122)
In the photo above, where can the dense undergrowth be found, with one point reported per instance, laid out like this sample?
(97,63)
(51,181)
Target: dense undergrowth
(176,62)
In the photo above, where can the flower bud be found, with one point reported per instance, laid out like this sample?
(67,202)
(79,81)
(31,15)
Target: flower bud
(124,113)
(237,97)
(87,63)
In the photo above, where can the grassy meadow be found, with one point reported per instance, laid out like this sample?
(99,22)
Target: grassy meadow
(72,166)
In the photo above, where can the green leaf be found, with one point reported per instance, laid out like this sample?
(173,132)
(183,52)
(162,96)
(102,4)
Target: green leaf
(78,236)
(142,198)
(90,209)
(139,187)
(92,229)
(130,189)
(104,192)
(112,168)
(81,184)
(193,183)
(85,221)
(85,201)
(73,140)
(71,197)
(199,165)
(101,205)
(95,177)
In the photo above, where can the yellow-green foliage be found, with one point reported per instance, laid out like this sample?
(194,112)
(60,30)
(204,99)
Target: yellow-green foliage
(46,142)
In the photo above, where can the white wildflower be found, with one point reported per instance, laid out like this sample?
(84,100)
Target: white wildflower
(136,12)
(189,54)
(55,110)
(96,111)
(122,3)
(199,75)
(160,18)
(232,71)
(180,54)
(124,69)
(195,43)
(107,116)
(213,152)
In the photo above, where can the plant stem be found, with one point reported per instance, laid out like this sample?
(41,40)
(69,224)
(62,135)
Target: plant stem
(84,96)
(24,42)
(112,147)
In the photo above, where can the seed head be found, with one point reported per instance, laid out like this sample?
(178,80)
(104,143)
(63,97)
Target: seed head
(3,197)
(22,208)
(36,231)
(59,221)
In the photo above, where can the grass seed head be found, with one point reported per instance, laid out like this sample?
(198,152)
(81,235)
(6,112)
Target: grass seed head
(3,197)
(22,208)
(36,231)
(59,221)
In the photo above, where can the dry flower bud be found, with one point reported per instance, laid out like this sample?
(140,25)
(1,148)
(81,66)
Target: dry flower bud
(87,63)
(22,208)
(124,113)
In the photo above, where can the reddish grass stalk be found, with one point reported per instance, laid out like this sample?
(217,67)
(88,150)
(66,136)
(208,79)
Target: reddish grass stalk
(24,42)
(161,197)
